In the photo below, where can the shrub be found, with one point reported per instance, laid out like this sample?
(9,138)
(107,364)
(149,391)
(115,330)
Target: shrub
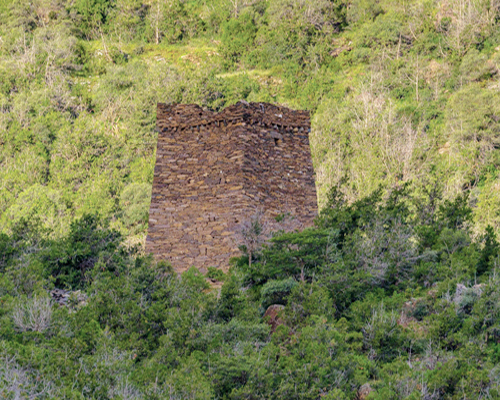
(465,298)
(387,251)
(275,292)
(237,36)
(134,201)
(490,252)
(90,242)
(17,382)
(33,314)
(216,274)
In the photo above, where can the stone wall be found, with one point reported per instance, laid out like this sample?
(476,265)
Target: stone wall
(215,170)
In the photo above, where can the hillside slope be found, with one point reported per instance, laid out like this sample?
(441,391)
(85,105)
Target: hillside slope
(398,93)
(393,294)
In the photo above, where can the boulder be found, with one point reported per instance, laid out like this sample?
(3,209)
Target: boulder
(364,391)
(68,298)
(271,316)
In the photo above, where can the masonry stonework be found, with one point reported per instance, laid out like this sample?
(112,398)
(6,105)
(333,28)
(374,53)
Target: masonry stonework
(214,171)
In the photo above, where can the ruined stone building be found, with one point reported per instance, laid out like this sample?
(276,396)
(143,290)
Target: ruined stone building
(214,171)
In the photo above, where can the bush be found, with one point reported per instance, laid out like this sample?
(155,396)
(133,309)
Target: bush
(17,382)
(90,243)
(489,257)
(134,202)
(33,314)
(276,292)
(237,36)
(216,274)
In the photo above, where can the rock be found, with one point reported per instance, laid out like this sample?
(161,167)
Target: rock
(461,289)
(60,296)
(477,290)
(271,316)
(364,391)
(337,51)
(69,298)
(78,299)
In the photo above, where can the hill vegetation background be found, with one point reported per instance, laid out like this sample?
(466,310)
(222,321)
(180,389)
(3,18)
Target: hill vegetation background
(395,287)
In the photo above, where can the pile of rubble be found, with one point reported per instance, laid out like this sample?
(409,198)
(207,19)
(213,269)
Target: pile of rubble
(68,298)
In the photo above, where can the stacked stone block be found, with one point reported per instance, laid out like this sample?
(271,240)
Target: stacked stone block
(214,171)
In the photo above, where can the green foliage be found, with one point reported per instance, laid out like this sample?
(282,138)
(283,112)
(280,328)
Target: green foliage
(396,285)
(489,254)
(93,15)
(275,292)
(89,247)
(42,202)
(237,37)
(147,331)
(230,302)
(216,274)
(297,32)
(134,202)
(473,128)
(455,214)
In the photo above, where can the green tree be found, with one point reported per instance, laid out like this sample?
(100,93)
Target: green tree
(488,258)
(90,244)
(93,15)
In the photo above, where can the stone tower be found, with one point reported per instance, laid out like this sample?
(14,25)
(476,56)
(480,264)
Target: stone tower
(215,170)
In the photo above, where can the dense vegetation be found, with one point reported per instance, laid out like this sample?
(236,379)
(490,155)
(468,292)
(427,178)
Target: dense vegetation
(397,285)
(392,291)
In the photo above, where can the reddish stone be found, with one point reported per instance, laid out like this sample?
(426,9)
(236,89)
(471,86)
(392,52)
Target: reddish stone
(272,316)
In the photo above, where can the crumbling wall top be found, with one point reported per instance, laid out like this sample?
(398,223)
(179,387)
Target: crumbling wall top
(184,116)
